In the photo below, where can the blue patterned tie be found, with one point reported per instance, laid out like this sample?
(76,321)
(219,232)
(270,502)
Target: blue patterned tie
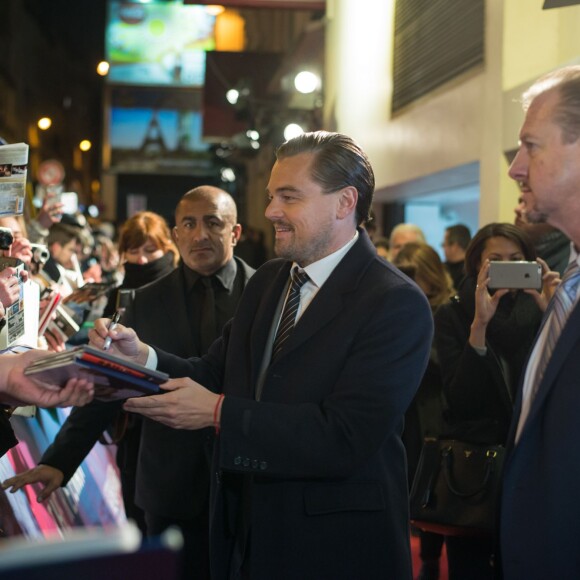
(288,317)
(556,317)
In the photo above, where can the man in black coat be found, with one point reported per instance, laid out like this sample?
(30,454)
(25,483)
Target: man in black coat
(309,477)
(172,478)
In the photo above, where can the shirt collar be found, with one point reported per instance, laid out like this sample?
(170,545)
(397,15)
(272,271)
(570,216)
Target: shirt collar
(319,271)
(226,275)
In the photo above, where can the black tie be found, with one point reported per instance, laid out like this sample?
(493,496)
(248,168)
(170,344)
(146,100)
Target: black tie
(288,317)
(207,331)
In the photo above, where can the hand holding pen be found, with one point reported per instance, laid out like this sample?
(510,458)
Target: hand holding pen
(112,325)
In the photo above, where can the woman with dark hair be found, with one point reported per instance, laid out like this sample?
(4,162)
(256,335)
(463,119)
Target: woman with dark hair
(424,418)
(482,338)
(147,252)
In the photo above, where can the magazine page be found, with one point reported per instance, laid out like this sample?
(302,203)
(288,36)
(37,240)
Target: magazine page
(13,165)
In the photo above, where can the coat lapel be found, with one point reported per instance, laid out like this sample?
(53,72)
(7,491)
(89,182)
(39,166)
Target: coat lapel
(173,302)
(265,315)
(328,302)
(570,335)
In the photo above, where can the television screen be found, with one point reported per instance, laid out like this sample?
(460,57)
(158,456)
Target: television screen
(158,44)
(155,138)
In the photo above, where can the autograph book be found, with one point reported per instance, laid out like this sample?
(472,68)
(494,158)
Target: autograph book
(88,293)
(114,377)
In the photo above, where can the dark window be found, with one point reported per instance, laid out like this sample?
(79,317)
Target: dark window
(435,41)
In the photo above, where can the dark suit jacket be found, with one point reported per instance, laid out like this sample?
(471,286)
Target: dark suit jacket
(317,466)
(540,515)
(173,465)
(172,470)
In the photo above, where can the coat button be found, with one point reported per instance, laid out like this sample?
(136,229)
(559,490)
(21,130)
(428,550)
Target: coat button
(255,463)
(263,465)
(246,462)
(237,460)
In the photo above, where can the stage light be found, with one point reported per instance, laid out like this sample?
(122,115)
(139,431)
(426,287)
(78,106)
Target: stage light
(232,96)
(306,82)
(214,9)
(228,174)
(292,130)
(44,123)
(103,68)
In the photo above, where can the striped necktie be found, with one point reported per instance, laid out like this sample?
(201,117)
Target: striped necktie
(288,317)
(556,317)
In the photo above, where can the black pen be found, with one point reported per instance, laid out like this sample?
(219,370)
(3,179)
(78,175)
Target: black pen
(114,322)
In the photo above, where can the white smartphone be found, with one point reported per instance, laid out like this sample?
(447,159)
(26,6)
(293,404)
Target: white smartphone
(515,275)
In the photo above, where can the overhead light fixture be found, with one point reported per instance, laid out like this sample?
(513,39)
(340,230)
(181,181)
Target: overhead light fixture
(292,130)
(306,82)
(85,145)
(44,123)
(227,174)
(214,9)
(103,68)
(232,96)
(253,135)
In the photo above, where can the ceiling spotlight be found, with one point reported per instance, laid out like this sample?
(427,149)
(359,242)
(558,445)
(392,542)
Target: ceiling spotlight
(232,96)
(253,135)
(85,145)
(306,82)
(292,130)
(103,68)
(44,123)
(214,9)
(227,174)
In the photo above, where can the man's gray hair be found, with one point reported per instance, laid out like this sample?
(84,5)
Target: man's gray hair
(567,112)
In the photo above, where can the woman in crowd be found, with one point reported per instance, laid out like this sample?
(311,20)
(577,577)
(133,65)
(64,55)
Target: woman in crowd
(147,253)
(482,338)
(424,418)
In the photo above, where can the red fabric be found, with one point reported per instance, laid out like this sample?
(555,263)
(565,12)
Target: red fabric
(415,548)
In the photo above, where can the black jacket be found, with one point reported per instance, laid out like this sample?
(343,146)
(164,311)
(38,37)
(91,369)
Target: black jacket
(172,473)
(480,390)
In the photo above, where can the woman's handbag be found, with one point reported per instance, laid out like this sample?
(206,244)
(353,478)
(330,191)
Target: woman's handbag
(456,487)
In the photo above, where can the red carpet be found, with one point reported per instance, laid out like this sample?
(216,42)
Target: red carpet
(443,574)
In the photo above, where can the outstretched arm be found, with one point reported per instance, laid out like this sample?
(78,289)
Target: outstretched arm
(18,389)
(50,477)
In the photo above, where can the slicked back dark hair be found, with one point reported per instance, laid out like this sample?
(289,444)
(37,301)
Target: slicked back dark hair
(338,162)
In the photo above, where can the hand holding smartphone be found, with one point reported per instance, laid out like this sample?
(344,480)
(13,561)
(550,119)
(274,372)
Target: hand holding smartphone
(515,275)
